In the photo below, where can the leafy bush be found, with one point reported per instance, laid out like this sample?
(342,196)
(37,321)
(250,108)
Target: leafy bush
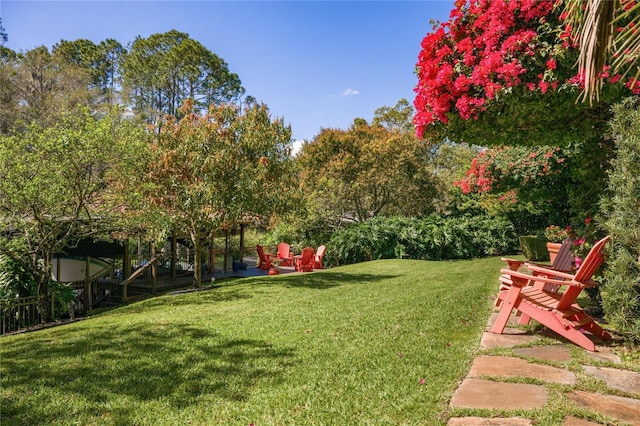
(15,280)
(431,238)
(299,233)
(621,293)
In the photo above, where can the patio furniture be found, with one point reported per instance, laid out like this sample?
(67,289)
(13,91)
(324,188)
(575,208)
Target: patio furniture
(264,258)
(284,254)
(563,263)
(317,262)
(556,310)
(304,262)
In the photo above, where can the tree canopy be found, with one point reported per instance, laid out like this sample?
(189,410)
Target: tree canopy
(51,186)
(369,169)
(210,171)
(160,72)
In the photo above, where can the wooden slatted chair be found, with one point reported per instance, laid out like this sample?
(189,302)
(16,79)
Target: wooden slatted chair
(556,310)
(563,263)
(264,258)
(284,254)
(304,263)
(317,263)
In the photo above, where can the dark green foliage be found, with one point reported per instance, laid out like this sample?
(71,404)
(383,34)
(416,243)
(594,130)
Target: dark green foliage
(621,208)
(15,279)
(432,238)
(534,248)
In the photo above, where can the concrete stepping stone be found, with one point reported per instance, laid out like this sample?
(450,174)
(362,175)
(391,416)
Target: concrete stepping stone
(625,409)
(548,353)
(503,366)
(574,421)
(478,393)
(484,421)
(622,380)
(509,338)
(604,353)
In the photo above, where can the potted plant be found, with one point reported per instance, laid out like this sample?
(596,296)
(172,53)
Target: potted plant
(235,256)
(555,235)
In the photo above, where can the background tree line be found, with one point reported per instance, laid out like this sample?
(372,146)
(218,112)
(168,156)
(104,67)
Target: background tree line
(102,141)
(152,76)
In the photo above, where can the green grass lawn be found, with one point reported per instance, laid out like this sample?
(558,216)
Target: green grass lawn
(376,343)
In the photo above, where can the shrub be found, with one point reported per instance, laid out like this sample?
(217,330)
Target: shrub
(621,293)
(431,238)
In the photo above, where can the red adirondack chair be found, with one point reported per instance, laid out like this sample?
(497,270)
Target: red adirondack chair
(317,262)
(556,310)
(265,258)
(304,262)
(284,254)
(563,263)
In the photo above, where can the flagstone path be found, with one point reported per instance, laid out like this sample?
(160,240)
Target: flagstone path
(496,383)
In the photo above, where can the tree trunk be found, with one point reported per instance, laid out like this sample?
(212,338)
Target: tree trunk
(197,268)
(44,298)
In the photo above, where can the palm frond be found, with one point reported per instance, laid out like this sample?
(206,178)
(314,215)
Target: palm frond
(626,49)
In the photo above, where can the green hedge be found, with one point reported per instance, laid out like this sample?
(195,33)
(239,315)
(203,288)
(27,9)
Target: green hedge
(621,292)
(432,238)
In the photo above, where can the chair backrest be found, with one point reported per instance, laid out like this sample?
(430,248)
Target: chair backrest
(564,259)
(593,261)
(308,255)
(320,252)
(283,250)
(260,251)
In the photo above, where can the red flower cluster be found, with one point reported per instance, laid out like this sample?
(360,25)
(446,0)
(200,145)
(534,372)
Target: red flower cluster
(488,47)
(476,55)
(478,178)
(500,169)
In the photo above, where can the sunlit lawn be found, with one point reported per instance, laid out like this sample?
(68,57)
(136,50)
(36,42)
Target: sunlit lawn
(377,343)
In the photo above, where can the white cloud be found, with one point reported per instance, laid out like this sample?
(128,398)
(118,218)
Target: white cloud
(349,92)
(296,147)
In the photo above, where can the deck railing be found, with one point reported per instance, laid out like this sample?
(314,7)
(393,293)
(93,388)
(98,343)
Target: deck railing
(22,312)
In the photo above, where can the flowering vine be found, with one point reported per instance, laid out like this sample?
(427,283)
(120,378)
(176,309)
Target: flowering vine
(507,168)
(486,50)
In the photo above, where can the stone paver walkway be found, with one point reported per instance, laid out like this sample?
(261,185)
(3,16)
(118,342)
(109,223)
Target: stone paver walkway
(491,383)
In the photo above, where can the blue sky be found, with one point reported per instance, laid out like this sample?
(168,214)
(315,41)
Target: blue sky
(316,64)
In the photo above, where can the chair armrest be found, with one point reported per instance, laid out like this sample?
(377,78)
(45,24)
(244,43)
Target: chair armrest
(513,264)
(549,271)
(537,278)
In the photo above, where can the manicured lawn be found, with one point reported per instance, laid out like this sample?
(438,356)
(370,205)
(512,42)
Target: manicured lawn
(377,343)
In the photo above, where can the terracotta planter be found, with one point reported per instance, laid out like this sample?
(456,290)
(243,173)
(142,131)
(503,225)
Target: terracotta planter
(553,250)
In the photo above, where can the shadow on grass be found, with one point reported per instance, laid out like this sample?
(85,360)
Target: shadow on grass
(122,367)
(231,289)
(202,297)
(319,280)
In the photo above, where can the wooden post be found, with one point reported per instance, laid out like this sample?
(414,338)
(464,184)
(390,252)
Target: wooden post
(126,269)
(126,262)
(174,256)
(87,285)
(226,250)
(154,275)
(241,242)
(53,306)
(212,254)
